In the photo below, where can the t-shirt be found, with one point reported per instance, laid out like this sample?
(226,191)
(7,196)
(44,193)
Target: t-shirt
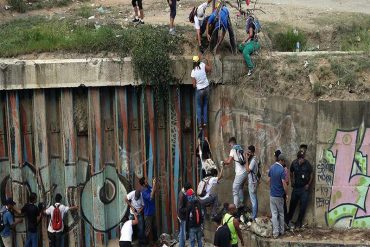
(50,210)
(126,231)
(253,166)
(277,174)
(301,173)
(8,220)
(212,182)
(149,204)
(222,237)
(137,204)
(31,212)
(223,19)
(239,169)
(200,76)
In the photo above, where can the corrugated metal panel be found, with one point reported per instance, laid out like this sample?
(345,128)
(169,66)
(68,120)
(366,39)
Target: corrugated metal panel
(92,145)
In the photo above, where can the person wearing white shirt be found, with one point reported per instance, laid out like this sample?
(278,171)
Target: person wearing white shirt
(211,198)
(200,82)
(125,239)
(56,235)
(200,21)
(240,173)
(135,202)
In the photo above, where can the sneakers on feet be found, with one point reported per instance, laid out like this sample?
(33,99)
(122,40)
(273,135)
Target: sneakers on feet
(141,22)
(135,20)
(172,31)
(250,72)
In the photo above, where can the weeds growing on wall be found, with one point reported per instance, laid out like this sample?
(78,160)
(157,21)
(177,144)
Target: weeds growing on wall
(18,5)
(286,41)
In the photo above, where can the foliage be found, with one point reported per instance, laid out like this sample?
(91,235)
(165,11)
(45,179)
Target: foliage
(317,89)
(18,5)
(286,41)
(85,11)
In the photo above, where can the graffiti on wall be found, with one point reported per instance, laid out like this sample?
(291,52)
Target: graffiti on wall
(345,169)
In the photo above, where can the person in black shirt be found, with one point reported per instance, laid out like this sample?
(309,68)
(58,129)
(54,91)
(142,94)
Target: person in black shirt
(222,234)
(33,215)
(301,177)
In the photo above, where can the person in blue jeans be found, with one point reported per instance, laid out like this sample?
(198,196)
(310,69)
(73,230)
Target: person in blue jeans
(9,222)
(32,213)
(194,218)
(181,213)
(252,169)
(200,82)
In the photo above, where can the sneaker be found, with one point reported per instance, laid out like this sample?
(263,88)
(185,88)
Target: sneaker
(275,236)
(136,20)
(172,31)
(250,72)
(141,22)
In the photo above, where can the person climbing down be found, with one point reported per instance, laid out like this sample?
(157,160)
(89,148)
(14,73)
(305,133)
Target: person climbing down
(125,239)
(200,22)
(138,8)
(200,82)
(220,19)
(209,197)
(250,44)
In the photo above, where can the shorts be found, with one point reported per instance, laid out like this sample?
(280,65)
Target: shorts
(173,9)
(137,3)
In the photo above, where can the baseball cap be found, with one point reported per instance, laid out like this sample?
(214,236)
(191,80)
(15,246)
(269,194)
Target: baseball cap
(10,201)
(201,12)
(195,59)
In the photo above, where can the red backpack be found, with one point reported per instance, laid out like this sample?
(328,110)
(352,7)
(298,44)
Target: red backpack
(56,220)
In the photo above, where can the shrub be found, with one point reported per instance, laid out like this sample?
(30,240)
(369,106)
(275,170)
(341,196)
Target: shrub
(287,41)
(18,5)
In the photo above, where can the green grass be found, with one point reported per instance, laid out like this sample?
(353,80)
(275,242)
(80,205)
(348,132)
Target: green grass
(85,11)
(286,41)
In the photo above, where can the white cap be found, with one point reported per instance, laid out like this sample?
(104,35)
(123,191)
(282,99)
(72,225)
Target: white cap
(201,10)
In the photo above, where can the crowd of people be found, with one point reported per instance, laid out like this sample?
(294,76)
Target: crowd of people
(11,216)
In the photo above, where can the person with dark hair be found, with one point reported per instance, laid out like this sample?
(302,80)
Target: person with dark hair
(286,171)
(7,212)
(201,84)
(203,153)
(182,213)
(200,22)
(222,235)
(125,239)
(139,12)
(240,172)
(33,215)
(148,194)
(57,212)
(195,218)
(252,170)
(301,177)
(136,204)
(233,225)
(172,5)
(278,188)
(250,44)
(211,198)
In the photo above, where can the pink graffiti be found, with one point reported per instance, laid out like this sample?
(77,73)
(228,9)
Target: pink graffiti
(346,182)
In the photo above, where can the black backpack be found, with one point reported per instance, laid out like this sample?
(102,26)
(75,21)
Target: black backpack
(225,226)
(195,214)
(258,174)
(241,158)
(193,12)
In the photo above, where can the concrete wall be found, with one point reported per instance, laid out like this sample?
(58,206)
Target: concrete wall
(338,138)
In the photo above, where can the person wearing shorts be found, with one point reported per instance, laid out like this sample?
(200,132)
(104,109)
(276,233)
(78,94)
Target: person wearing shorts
(139,12)
(172,5)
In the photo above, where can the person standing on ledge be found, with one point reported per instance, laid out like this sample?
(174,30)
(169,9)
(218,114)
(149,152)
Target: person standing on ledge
(200,82)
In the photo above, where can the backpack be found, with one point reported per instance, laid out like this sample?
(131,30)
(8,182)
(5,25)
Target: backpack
(256,23)
(201,189)
(193,12)
(240,153)
(195,214)
(2,225)
(225,226)
(257,174)
(56,220)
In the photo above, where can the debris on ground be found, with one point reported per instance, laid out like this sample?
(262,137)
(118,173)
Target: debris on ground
(262,227)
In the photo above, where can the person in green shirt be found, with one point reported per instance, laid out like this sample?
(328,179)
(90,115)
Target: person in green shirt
(233,225)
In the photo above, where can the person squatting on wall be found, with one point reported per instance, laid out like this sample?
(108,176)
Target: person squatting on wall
(182,213)
(240,171)
(301,177)
(57,212)
(250,44)
(252,169)
(135,202)
(7,215)
(125,239)
(278,188)
(148,194)
(209,197)
(200,82)
(33,214)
